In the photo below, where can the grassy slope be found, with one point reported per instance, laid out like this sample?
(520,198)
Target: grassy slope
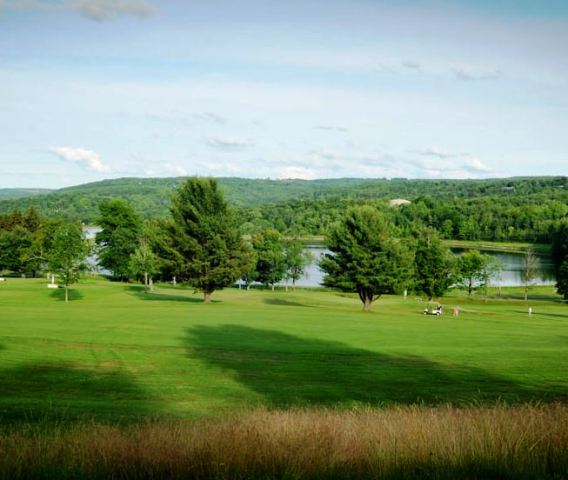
(115,352)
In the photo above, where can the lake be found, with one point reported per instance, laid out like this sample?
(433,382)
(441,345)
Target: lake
(510,276)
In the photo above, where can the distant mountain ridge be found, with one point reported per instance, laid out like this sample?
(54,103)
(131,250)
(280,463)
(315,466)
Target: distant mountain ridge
(7,193)
(151,196)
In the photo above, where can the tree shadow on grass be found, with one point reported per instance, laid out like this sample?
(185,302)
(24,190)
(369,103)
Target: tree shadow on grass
(289,370)
(48,392)
(138,291)
(59,294)
(285,303)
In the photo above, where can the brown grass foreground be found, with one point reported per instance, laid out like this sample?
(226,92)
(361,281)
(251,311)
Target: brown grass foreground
(525,441)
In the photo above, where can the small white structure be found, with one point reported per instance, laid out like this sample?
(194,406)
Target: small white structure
(52,284)
(397,202)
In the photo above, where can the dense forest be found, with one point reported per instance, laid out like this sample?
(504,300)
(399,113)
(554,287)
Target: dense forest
(514,209)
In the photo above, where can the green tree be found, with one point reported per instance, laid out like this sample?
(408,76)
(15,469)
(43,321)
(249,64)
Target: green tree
(207,246)
(560,258)
(13,246)
(118,238)
(297,258)
(530,270)
(366,258)
(473,270)
(144,263)
(67,255)
(249,272)
(432,264)
(270,257)
(562,279)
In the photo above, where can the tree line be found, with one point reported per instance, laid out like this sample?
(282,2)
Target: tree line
(518,209)
(202,245)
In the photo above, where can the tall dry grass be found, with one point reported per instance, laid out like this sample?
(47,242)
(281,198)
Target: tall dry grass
(516,442)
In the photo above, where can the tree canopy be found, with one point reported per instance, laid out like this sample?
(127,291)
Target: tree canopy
(67,254)
(118,238)
(207,247)
(366,258)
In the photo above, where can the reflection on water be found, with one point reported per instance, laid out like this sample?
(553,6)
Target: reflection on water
(510,276)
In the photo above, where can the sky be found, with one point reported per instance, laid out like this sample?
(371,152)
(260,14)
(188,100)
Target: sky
(95,89)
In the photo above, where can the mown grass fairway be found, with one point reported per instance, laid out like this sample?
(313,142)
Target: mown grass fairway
(116,353)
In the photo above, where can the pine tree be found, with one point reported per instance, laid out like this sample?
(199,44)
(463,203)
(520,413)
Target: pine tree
(118,238)
(207,246)
(433,264)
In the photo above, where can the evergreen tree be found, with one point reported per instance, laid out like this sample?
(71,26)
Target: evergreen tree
(560,258)
(562,279)
(270,257)
(206,244)
(366,258)
(118,238)
(67,255)
(433,264)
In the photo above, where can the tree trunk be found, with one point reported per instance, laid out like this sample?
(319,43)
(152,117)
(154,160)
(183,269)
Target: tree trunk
(66,294)
(366,297)
(207,297)
(145,281)
(469,288)
(526,293)
(293,284)
(272,287)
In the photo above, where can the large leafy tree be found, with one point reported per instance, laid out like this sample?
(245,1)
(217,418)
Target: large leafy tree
(118,238)
(207,247)
(366,257)
(270,257)
(474,270)
(433,264)
(67,255)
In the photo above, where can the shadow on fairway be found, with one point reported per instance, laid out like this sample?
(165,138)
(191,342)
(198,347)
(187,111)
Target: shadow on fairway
(59,294)
(138,291)
(285,303)
(288,370)
(38,392)
(536,313)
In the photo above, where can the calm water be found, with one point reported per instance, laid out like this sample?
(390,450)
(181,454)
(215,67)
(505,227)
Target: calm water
(510,276)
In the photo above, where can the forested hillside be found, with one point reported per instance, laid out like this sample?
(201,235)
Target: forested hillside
(8,193)
(514,209)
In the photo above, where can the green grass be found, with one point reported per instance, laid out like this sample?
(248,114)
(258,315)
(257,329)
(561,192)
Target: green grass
(116,354)
(503,247)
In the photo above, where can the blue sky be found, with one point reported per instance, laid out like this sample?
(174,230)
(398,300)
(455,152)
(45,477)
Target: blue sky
(95,89)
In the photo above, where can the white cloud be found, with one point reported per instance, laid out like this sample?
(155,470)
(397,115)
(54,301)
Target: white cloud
(211,117)
(295,172)
(85,158)
(228,142)
(476,166)
(100,10)
(468,75)
(97,10)
(439,153)
(330,128)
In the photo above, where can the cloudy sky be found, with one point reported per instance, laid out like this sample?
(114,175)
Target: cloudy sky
(93,89)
